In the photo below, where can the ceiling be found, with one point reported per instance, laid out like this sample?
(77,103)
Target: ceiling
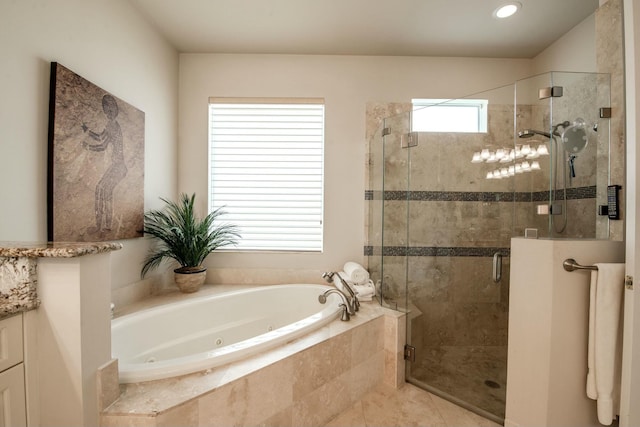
(364,27)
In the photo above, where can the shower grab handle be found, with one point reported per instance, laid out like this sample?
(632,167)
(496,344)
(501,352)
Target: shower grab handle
(497,267)
(571,264)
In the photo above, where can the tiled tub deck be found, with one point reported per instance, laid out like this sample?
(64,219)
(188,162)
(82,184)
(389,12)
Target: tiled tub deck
(306,382)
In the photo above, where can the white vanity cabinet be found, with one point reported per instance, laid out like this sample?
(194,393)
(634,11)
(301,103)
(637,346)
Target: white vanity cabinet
(12,384)
(62,337)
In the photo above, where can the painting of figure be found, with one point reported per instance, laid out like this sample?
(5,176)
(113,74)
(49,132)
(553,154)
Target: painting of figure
(96,162)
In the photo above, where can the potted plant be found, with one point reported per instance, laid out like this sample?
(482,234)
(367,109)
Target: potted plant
(186,239)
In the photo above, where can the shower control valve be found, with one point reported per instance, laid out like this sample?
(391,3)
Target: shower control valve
(555,208)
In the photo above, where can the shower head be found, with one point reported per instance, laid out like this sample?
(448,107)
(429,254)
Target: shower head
(528,133)
(576,136)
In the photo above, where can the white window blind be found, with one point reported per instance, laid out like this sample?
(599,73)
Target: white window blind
(266,170)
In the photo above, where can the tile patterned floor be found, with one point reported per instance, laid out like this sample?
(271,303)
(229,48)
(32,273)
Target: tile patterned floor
(405,407)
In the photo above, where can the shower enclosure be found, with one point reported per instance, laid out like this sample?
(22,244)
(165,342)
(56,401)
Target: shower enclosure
(443,206)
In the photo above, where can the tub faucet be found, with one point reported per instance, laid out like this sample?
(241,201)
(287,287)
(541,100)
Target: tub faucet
(347,311)
(353,300)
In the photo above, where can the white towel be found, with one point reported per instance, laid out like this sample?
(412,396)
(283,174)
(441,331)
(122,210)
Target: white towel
(365,292)
(356,273)
(605,344)
(344,277)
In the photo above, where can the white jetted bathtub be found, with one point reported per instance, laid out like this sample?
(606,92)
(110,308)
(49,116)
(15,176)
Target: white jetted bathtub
(204,332)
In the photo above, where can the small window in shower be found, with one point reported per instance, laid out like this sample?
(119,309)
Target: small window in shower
(449,115)
(266,170)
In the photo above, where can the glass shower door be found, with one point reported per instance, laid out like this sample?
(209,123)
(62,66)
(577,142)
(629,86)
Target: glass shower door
(444,206)
(458,231)
(386,248)
(397,160)
(560,111)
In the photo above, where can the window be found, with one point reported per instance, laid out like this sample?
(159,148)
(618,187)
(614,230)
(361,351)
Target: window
(266,170)
(442,115)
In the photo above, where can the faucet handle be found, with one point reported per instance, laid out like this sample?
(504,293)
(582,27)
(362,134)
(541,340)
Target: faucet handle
(345,313)
(328,276)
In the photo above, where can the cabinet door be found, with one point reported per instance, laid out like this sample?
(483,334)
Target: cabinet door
(12,398)
(10,342)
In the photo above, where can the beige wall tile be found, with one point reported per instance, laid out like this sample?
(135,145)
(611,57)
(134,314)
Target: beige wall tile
(127,421)
(270,391)
(321,364)
(365,376)
(185,415)
(394,368)
(108,384)
(610,59)
(323,403)
(250,400)
(391,337)
(353,417)
(281,419)
(225,406)
(368,340)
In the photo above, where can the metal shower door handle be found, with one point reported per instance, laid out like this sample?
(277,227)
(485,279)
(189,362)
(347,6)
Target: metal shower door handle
(497,267)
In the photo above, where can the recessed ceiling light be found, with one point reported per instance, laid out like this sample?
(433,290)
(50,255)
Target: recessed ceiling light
(506,10)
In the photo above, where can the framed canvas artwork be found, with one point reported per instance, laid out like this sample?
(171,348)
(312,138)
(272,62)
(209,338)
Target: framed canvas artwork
(96,162)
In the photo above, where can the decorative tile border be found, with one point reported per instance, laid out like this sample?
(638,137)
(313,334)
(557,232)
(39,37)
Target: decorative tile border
(480,196)
(572,194)
(435,251)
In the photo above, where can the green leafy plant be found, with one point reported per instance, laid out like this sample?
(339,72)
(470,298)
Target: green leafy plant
(182,236)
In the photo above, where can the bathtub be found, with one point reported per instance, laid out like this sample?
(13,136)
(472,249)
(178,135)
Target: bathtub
(212,330)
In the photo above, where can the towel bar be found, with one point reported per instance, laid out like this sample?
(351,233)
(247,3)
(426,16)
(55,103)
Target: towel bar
(570,264)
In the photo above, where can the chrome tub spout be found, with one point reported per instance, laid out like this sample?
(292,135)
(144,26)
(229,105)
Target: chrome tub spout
(354,304)
(346,307)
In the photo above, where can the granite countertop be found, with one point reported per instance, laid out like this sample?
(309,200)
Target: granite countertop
(18,269)
(55,249)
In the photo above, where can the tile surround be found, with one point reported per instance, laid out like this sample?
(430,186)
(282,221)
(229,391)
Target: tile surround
(610,59)
(306,382)
(452,194)
(108,387)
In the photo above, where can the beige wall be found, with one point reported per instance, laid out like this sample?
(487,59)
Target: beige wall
(346,83)
(575,51)
(108,43)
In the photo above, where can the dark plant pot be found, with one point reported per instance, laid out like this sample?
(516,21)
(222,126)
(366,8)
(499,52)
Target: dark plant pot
(189,279)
